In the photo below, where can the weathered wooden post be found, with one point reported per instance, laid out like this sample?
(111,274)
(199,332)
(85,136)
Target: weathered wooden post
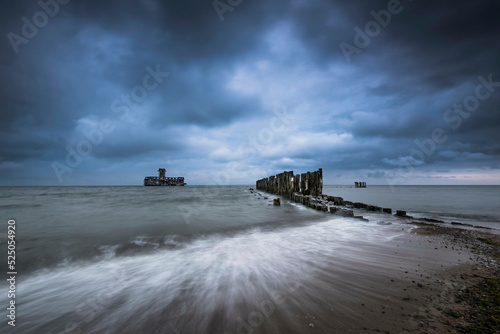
(288,184)
(308,183)
(314,184)
(303,178)
(320,181)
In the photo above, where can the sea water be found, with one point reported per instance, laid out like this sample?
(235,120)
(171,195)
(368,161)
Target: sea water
(194,259)
(465,204)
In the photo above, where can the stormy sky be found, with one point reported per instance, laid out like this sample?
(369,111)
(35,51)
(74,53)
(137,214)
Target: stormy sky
(227,92)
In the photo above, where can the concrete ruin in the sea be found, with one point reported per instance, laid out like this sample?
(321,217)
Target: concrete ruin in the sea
(163,180)
(360,184)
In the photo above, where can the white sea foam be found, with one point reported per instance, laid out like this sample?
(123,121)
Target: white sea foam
(209,273)
(143,241)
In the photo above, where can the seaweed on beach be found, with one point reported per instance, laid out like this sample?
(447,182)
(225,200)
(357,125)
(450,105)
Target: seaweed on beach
(476,307)
(489,241)
(483,307)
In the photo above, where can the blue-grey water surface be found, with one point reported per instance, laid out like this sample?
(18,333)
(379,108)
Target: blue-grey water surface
(197,259)
(465,204)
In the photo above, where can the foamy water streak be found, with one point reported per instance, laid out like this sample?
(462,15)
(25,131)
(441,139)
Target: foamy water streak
(125,260)
(214,278)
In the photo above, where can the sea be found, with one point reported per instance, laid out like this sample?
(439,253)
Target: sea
(465,204)
(193,259)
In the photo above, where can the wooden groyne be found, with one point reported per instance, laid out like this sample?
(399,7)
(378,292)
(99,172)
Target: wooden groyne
(307,189)
(288,184)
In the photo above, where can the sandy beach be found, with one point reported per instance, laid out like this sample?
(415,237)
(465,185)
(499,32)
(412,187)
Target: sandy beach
(414,284)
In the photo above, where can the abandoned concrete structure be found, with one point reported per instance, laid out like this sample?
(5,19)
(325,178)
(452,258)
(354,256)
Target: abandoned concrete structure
(162,180)
(360,184)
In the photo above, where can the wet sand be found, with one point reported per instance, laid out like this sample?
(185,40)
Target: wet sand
(405,281)
(409,286)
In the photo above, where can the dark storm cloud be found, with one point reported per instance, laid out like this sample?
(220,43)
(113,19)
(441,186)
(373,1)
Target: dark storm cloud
(224,75)
(426,55)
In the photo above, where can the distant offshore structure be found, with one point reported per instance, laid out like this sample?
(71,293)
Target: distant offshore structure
(162,180)
(360,184)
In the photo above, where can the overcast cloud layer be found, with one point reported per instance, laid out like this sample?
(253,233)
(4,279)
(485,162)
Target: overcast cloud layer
(228,92)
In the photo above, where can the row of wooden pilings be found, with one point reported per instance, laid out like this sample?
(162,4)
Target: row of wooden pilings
(307,189)
(287,184)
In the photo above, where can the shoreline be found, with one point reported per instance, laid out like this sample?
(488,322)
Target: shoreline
(440,261)
(318,273)
(420,299)
(405,284)
(439,300)
(457,310)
